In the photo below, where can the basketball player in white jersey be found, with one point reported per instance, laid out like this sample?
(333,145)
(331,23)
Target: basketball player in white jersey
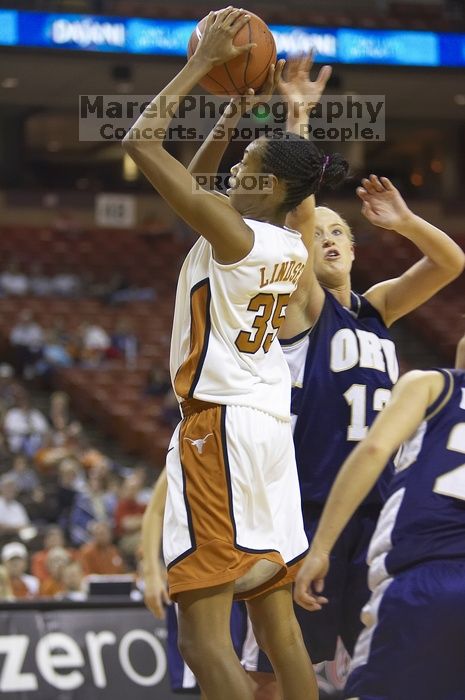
(232,526)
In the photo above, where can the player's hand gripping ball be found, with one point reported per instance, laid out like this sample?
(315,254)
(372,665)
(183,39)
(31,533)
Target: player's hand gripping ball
(248,69)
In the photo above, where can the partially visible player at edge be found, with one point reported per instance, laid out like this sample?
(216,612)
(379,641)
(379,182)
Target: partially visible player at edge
(231,524)
(413,644)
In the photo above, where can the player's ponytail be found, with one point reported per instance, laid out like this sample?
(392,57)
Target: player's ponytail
(334,170)
(302,166)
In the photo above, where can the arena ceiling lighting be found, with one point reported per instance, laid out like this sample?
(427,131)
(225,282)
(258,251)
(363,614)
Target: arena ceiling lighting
(125,35)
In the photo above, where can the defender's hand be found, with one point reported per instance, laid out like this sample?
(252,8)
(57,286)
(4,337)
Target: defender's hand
(310,581)
(383,205)
(295,85)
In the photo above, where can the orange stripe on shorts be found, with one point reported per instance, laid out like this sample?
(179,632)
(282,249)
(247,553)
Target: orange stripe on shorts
(214,557)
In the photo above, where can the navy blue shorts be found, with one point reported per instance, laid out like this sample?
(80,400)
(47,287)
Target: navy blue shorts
(345,587)
(181,677)
(413,645)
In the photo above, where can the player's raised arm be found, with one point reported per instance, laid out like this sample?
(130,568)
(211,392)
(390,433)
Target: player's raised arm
(301,95)
(155,588)
(411,397)
(208,157)
(211,216)
(443,259)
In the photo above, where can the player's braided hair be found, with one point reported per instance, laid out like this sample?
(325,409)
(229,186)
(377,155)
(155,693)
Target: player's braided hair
(302,166)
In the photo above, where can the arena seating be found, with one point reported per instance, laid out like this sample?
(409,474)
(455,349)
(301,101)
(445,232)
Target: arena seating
(114,394)
(99,251)
(440,322)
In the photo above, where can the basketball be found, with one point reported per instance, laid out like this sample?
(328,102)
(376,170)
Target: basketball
(246,71)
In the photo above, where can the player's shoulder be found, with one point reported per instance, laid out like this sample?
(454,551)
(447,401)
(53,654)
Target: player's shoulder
(273,233)
(436,385)
(416,377)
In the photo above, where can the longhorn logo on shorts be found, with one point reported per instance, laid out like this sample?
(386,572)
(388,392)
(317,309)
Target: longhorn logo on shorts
(199,443)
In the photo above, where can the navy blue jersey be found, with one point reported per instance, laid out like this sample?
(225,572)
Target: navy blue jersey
(342,373)
(424,516)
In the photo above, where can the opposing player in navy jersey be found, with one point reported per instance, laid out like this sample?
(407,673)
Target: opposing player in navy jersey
(413,643)
(343,366)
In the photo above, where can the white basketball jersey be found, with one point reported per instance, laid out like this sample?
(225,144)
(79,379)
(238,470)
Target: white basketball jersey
(223,345)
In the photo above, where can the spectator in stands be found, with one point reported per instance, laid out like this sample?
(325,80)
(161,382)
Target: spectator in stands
(95,461)
(25,427)
(39,284)
(59,413)
(74,587)
(30,492)
(100,555)
(12,281)
(113,488)
(63,444)
(94,344)
(71,483)
(13,515)
(54,355)
(9,388)
(27,339)
(15,558)
(124,343)
(128,515)
(88,507)
(23,475)
(53,537)
(56,561)
(70,443)
(159,382)
(66,284)
(6,590)
(40,506)
(141,472)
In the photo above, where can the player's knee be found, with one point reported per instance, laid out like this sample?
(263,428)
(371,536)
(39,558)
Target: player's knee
(188,648)
(270,636)
(197,650)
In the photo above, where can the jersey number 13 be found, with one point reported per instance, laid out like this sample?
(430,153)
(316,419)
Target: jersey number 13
(356,397)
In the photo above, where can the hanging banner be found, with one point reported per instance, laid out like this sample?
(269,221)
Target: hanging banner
(108,653)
